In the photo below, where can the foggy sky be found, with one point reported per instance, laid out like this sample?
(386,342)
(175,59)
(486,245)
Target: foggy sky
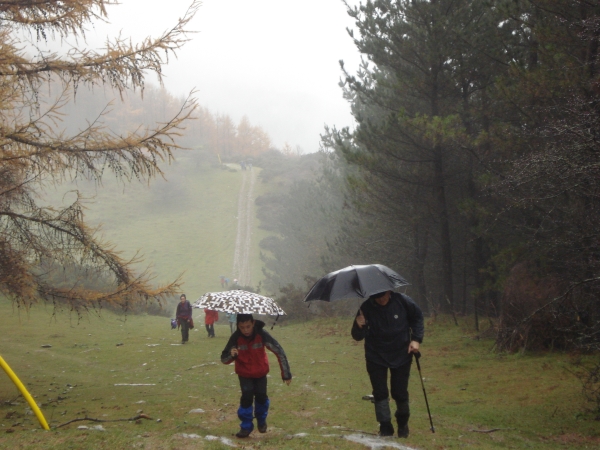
(275,61)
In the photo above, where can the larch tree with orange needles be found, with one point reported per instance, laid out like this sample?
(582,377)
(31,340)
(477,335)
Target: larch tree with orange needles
(36,152)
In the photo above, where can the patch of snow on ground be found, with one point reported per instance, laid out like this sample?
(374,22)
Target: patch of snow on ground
(375,443)
(224,440)
(95,427)
(190,436)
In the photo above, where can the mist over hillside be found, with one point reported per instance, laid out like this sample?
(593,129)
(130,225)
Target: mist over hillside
(182,224)
(131,111)
(187,221)
(194,199)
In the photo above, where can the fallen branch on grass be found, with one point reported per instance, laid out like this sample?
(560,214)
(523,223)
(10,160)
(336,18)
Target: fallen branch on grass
(488,431)
(202,365)
(358,431)
(56,400)
(91,419)
(10,402)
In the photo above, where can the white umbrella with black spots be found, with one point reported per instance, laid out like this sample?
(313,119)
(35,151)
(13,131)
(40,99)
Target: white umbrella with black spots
(239,302)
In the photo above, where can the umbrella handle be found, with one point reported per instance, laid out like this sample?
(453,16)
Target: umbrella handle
(276,319)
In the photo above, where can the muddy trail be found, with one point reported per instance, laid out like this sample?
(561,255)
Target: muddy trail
(243,242)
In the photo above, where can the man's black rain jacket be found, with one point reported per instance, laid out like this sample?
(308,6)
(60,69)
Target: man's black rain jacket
(389,330)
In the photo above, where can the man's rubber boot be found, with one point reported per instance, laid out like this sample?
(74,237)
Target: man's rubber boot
(403,432)
(384,417)
(402,415)
(261,410)
(386,429)
(246,426)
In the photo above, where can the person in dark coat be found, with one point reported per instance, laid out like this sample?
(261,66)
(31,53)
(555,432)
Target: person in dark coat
(183,316)
(246,347)
(392,326)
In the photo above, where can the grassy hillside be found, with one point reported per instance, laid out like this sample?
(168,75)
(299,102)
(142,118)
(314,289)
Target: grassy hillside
(185,224)
(479,399)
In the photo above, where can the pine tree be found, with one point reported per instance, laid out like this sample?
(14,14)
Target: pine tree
(411,101)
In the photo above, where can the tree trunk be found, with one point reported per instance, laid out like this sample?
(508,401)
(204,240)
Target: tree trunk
(445,243)
(420,236)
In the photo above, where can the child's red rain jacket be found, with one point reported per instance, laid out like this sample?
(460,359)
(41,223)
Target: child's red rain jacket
(210,316)
(252,361)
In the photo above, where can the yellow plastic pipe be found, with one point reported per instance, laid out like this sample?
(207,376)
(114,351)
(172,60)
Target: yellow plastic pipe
(25,394)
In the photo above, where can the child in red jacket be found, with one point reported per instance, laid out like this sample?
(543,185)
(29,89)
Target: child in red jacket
(246,347)
(210,317)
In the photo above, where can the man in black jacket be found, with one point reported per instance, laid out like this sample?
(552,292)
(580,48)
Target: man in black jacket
(392,326)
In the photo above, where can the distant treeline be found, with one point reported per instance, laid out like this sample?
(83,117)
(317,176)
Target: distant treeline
(216,133)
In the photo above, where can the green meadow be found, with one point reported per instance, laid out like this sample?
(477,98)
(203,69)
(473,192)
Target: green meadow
(184,225)
(478,399)
(111,368)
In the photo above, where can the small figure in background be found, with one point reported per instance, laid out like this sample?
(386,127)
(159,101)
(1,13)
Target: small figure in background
(232,321)
(210,317)
(184,316)
(222,282)
(226,282)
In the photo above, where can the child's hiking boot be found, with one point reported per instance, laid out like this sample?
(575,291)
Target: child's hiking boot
(243,433)
(261,410)
(386,429)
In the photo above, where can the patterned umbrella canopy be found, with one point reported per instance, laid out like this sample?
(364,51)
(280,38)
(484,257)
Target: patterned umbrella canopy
(239,302)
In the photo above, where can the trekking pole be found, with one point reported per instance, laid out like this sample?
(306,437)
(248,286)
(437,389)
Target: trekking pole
(276,321)
(417,356)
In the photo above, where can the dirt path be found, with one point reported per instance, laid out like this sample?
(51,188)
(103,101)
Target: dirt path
(243,241)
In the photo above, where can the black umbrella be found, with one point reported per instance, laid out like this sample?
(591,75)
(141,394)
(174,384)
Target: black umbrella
(355,282)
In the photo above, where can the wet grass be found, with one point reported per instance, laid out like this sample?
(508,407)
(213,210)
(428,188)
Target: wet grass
(479,399)
(185,225)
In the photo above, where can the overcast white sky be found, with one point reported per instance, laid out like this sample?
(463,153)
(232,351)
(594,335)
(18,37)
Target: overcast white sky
(275,61)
